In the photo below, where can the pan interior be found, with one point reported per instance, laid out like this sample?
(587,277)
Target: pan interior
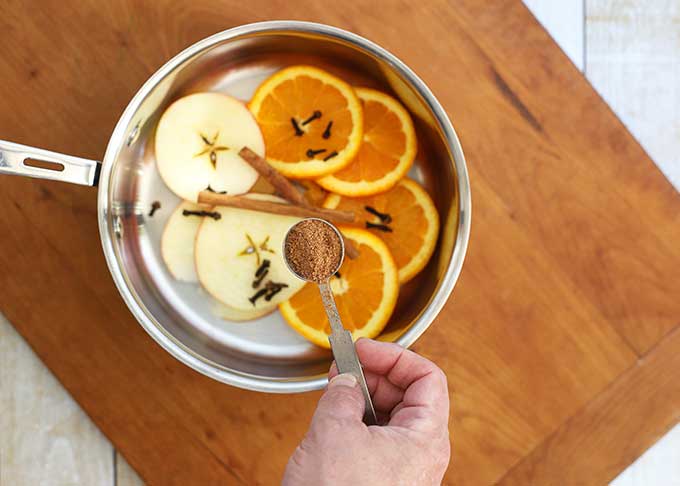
(264,349)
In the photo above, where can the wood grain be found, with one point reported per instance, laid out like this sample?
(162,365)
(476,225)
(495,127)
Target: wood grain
(574,176)
(45,438)
(504,348)
(531,335)
(641,403)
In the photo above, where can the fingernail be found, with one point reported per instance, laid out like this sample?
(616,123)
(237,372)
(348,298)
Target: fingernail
(345,379)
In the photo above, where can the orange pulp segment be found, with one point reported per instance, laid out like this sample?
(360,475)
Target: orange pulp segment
(311,121)
(387,150)
(404,217)
(365,291)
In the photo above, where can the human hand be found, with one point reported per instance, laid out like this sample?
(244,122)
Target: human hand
(412,448)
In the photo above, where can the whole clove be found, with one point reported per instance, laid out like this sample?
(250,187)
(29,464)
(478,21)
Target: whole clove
(384,217)
(315,115)
(273,288)
(261,272)
(327,132)
(210,214)
(263,267)
(312,153)
(298,131)
(257,295)
(272,293)
(210,189)
(381,227)
(258,279)
(155,206)
(330,156)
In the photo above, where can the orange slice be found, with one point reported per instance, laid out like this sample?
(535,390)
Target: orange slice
(365,291)
(404,217)
(311,121)
(314,193)
(387,151)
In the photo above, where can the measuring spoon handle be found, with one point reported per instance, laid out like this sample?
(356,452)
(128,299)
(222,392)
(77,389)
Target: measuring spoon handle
(344,352)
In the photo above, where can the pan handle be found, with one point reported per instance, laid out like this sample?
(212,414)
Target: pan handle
(17,159)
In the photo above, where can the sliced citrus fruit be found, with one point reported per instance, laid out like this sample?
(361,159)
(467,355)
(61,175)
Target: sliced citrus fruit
(365,291)
(314,193)
(387,151)
(404,217)
(311,121)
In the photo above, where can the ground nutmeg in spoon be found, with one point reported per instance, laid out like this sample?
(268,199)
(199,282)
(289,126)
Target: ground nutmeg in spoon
(313,250)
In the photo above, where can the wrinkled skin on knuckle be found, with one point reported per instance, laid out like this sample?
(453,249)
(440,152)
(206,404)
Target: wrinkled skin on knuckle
(329,431)
(439,447)
(433,453)
(342,400)
(368,457)
(429,471)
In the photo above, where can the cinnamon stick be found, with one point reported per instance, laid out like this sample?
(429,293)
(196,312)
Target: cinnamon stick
(333,215)
(350,250)
(285,188)
(282,185)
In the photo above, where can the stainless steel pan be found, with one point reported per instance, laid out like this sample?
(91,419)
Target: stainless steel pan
(262,355)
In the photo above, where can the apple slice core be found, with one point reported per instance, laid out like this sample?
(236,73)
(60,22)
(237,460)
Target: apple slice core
(197,143)
(239,260)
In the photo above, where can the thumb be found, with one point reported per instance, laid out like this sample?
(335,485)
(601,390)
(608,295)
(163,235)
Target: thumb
(342,401)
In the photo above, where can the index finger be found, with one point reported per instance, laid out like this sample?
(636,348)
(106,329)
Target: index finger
(426,398)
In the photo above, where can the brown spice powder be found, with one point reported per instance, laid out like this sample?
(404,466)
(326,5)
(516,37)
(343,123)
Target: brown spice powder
(313,250)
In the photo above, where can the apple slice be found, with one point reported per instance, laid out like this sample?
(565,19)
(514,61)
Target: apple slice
(239,261)
(197,143)
(230,314)
(177,242)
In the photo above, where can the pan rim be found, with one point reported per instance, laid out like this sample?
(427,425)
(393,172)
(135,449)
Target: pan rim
(135,303)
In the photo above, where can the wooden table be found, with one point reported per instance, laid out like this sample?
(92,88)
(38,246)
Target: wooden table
(589,422)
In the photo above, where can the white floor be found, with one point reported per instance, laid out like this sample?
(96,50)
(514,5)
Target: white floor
(628,49)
